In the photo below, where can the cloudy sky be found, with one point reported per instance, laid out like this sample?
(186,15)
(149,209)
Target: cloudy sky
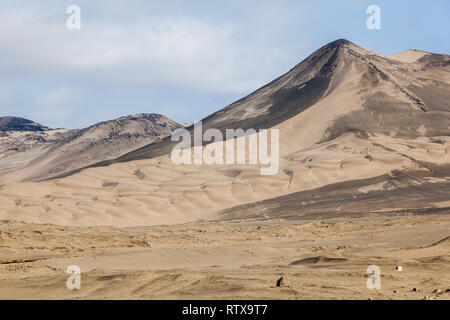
(184,59)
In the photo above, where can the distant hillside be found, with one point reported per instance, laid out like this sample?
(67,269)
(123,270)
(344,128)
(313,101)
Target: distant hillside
(20,124)
(33,152)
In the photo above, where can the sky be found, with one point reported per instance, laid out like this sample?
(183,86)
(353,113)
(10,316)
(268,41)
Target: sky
(185,59)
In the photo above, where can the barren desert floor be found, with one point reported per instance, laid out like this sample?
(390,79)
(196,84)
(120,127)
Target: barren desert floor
(324,259)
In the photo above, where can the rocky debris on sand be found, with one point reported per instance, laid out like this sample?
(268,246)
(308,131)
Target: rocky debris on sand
(437,291)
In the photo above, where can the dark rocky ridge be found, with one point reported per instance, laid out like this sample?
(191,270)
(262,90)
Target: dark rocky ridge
(20,124)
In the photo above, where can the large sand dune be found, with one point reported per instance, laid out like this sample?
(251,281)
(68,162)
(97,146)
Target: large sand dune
(344,114)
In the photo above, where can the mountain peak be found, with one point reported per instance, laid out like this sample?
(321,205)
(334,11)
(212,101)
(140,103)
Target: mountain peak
(20,124)
(144,116)
(339,43)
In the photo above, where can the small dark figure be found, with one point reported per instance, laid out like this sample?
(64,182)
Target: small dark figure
(280,282)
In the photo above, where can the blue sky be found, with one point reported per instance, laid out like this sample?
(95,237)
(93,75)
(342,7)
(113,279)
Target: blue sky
(184,59)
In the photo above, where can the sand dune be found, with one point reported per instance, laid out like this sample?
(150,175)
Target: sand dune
(371,118)
(168,193)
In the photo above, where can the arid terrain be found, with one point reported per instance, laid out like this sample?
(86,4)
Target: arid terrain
(324,259)
(363,179)
(30,151)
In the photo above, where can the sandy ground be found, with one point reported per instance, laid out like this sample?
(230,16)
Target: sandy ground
(324,259)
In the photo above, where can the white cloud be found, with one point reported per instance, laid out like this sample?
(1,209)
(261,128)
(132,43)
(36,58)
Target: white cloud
(183,59)
(180,51)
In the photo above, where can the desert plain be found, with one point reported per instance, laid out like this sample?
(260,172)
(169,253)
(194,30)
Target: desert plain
(324,259)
